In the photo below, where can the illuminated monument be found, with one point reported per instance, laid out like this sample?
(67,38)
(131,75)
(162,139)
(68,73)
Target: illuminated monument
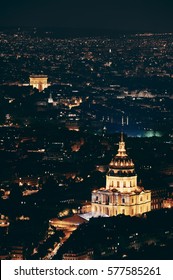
(39,82)
(121,194)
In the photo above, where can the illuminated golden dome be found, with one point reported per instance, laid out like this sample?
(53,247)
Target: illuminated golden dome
(121,164)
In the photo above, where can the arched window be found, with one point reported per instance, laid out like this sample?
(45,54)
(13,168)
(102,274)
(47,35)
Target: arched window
(118,184)
(123,200)
(124,184)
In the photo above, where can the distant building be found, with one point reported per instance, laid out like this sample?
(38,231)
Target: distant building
(39,82)
(121,194)
(85,255)
(17,252)
(168,203)
(158,195)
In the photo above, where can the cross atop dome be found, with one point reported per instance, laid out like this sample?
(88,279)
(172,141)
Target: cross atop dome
(122,136)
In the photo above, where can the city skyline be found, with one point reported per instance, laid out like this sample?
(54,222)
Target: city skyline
(86,136)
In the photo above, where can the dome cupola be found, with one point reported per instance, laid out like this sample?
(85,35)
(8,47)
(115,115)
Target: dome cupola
(121,163)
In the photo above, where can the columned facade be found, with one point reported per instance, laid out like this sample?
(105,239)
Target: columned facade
(121,194)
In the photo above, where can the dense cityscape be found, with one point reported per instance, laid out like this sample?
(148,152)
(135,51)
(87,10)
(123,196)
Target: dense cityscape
(78,113)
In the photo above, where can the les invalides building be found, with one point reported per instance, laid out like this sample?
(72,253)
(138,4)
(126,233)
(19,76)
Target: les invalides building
(121,194)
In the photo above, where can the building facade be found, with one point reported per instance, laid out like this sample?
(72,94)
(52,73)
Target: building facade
(85,255)
(168,203)
(121,194)
(158,196)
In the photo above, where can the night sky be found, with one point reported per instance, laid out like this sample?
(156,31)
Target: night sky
(120,15)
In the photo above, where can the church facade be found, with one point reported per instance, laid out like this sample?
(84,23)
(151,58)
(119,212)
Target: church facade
(121,194)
